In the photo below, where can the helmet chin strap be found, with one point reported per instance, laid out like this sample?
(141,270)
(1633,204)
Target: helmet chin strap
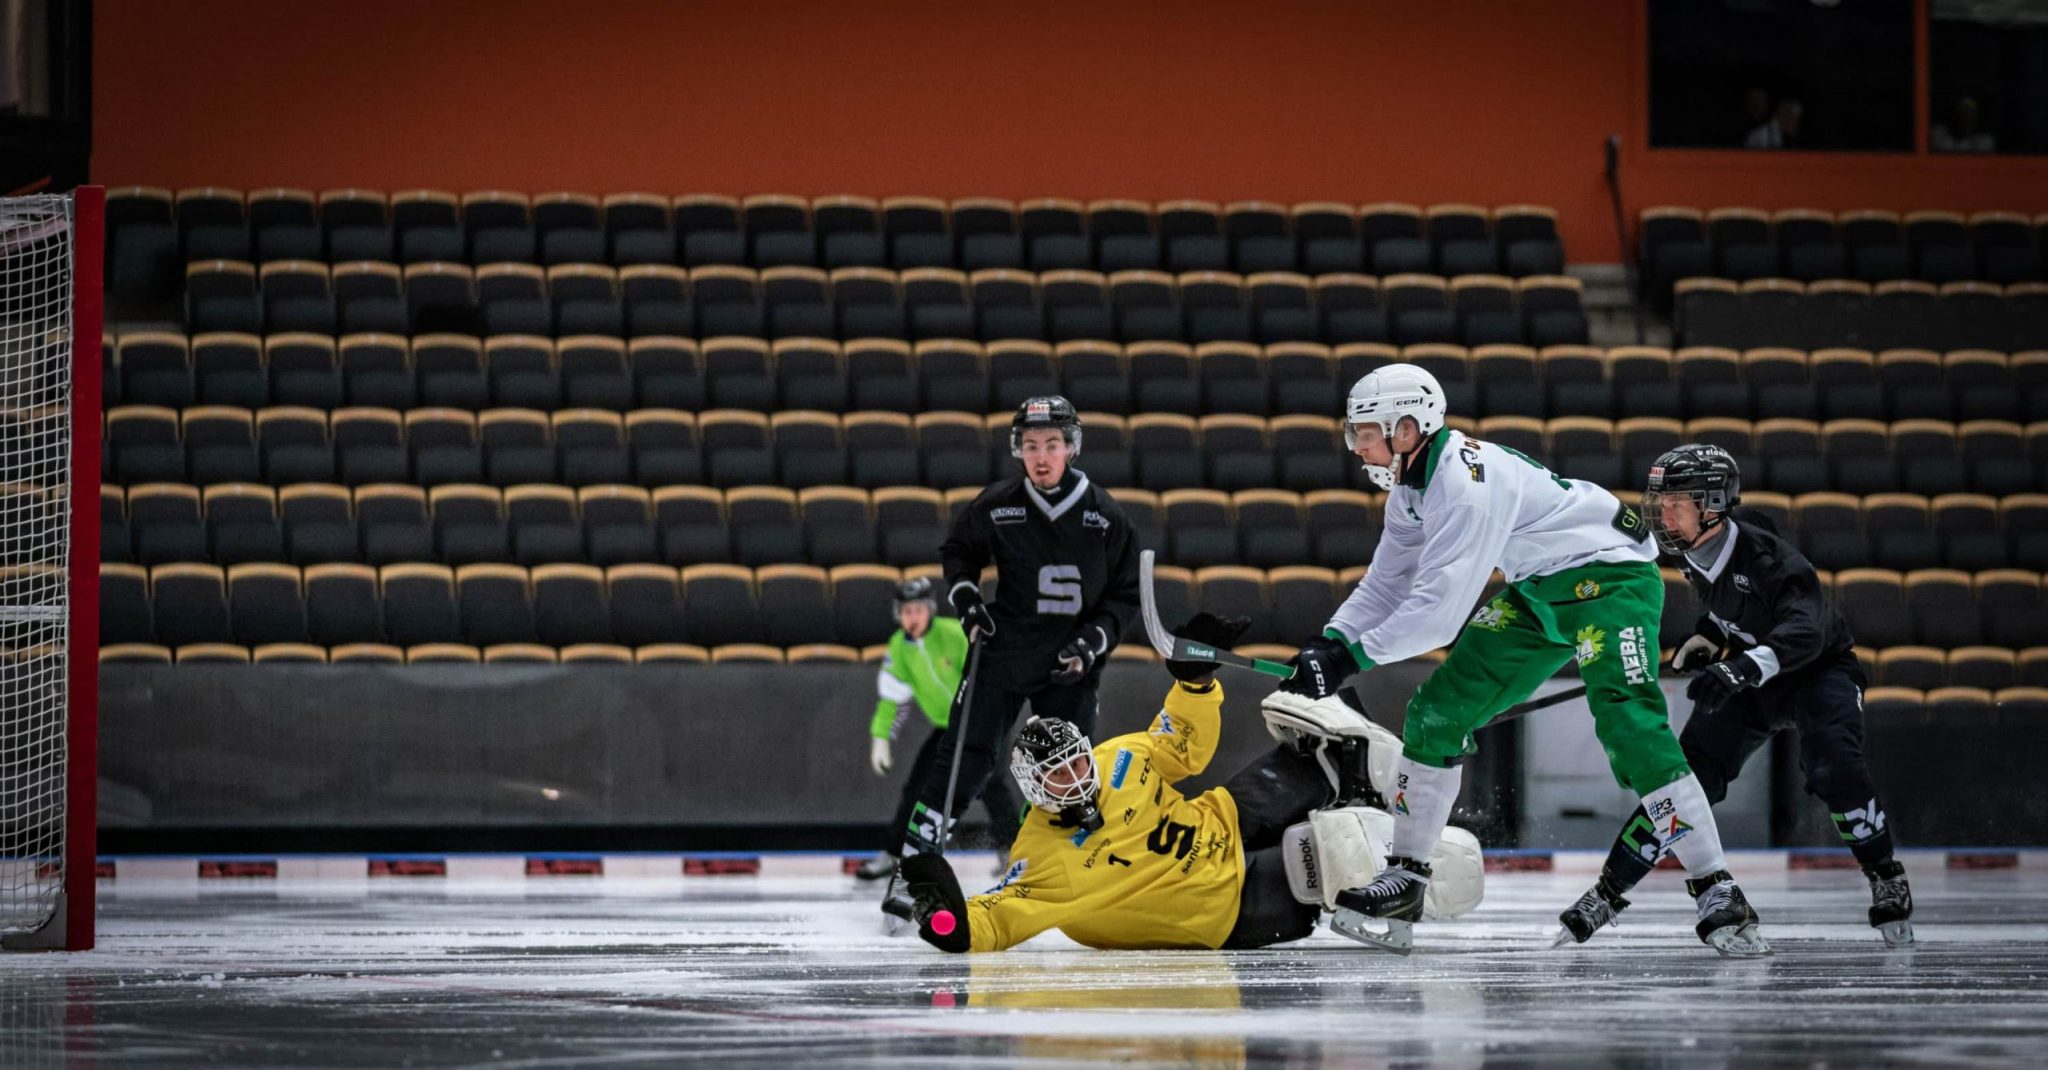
(1081,815)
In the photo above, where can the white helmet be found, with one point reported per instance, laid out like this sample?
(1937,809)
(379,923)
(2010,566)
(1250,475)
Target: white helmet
(1383,397)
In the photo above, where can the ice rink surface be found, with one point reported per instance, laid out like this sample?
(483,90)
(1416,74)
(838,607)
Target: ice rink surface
(794,970)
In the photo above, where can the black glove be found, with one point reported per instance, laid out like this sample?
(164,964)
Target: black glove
(1219,632)
(1079,655)
(933,888)
(1722,679)
(1696,651)
(1322,665)
(974,614)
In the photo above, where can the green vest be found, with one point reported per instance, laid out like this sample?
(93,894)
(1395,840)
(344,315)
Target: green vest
(931,667)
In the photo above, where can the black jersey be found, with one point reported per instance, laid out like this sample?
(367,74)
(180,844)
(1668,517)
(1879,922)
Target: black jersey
(1066,563)
(1764,597)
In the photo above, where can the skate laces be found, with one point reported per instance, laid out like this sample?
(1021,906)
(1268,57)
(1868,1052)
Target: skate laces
(1718,896)
(1597,908)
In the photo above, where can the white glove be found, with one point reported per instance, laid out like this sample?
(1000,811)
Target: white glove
(1694,653)
(878,756)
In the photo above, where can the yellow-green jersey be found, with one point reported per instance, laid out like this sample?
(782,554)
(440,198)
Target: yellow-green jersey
(1163,871)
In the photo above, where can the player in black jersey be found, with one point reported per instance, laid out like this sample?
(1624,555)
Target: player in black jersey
(1066,586)
(1770,651)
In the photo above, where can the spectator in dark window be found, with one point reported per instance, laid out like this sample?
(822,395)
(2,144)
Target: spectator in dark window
(1756,108)
(1962,133)
(1782,131)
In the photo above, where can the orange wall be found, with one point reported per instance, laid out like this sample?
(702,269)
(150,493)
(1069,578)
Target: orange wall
(1488,101)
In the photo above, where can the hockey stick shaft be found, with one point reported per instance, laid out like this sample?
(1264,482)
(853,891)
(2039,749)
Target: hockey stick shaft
(959,744)
(1173,648)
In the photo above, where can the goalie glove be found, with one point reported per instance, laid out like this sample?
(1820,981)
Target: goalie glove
(933,888)
(1219,632)
(1695,652)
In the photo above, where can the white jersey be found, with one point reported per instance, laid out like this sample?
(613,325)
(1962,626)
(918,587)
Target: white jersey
(1465,508)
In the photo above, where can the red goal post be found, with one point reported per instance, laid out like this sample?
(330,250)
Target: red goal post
(51,272)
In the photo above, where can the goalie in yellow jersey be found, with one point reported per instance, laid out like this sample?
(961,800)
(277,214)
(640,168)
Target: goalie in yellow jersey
(1114,857)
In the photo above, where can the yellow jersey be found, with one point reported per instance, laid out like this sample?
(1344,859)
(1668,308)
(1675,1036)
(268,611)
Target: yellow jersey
(1163,871)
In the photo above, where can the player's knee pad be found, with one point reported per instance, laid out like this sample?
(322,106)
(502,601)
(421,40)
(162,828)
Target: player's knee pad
(1334,732)
(1334,850)
(1458,876)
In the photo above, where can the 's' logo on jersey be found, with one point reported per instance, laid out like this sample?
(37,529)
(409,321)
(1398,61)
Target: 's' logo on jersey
(1122,767)
(1591,642)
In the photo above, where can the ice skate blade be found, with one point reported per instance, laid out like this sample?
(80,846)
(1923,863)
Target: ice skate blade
(1398,936)
(1739,942)
(1896,933)
(894,926)
(1565,938)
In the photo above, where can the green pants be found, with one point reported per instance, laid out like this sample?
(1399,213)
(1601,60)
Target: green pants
(1604,615)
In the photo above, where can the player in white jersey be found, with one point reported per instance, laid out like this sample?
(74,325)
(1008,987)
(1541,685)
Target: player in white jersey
(1582,584)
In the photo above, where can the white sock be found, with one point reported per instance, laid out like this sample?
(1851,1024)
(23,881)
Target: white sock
(1685,825)
(1422,800)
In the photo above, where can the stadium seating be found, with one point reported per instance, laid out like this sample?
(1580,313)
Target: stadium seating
(1926,629)
(1803,244)
(150,229)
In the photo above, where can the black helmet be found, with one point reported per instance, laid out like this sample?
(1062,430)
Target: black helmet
(921,589)
(1705,474)
(1045,745)
(1050,410)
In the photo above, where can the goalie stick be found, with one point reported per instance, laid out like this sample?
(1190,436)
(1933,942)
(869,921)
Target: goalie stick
(1174,648)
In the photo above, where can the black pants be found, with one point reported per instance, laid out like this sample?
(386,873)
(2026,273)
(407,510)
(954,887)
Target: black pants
(1274,792)
(1824,702)
(999,799)
(987,725)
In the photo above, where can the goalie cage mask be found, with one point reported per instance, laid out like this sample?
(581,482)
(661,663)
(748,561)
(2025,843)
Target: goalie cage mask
(1047,746)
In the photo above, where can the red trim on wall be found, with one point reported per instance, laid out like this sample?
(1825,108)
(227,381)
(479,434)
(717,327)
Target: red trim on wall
(81,790)
(1457,100)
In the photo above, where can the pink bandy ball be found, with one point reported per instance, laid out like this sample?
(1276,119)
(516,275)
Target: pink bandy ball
(942,923)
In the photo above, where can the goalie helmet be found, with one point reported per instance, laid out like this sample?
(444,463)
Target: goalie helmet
(1383,397)
(1056,771)
(1706,475)
(1052,411)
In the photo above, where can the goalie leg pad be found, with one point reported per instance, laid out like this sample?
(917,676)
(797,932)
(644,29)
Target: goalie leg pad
(1334,850)
(1299,721)
(1459,880)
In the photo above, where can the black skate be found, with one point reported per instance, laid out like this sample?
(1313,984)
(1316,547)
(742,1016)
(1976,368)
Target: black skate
(1395,897)
(876,868)
(1728,924)
(898,908)
(1599,906)
(1891,903)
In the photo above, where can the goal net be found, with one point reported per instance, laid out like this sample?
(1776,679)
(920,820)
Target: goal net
(49,330)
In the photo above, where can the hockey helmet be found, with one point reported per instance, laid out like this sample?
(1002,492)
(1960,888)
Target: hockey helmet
(1706,475)
(920,589)
(1383,397)
(1054,768)
(1049,410)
